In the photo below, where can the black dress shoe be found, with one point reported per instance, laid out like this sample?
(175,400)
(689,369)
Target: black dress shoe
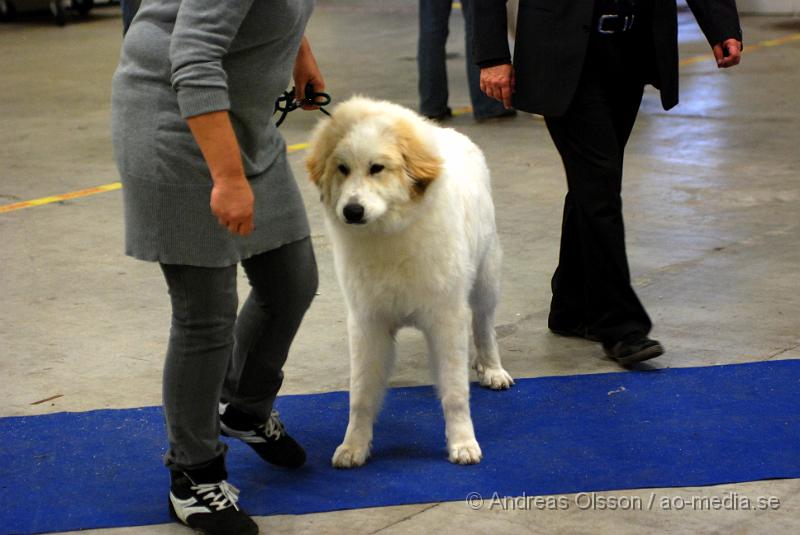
(505,114)
(579,331)
(633,350)
(446,114)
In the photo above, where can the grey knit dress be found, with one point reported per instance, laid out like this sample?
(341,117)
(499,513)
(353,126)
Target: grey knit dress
(182,58)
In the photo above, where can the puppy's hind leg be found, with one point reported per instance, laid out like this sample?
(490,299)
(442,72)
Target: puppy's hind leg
(483,301)
(372,350)
(448,340)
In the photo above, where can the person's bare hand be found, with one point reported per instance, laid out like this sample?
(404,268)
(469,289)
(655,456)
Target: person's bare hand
(232,204)
(498,83)
(734,53)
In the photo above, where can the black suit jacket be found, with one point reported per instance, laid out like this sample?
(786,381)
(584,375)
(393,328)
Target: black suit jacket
(552,38)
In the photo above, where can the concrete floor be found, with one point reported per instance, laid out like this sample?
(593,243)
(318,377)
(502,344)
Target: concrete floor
(711,197)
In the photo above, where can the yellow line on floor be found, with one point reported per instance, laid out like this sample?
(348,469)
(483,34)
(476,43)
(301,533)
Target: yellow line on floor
(58,198)
(296,147)
(768,43)
(94,191)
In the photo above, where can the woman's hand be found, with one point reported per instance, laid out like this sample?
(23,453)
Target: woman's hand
(306,71)
(232,204)
(231,196)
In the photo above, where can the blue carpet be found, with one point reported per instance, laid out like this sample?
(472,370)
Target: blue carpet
(550,435)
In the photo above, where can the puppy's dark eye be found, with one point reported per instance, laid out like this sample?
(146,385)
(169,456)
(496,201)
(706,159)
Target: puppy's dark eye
(343,169)
(375,168)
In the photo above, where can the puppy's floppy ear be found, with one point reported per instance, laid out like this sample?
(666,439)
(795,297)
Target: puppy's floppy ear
(422,162)
(321,146)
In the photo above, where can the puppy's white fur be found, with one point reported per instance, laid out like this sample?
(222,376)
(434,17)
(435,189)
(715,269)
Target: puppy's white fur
(426,254)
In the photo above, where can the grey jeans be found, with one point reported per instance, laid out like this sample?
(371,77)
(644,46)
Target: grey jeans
(214,355)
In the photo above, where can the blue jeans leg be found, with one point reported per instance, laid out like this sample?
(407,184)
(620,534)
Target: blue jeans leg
(129,9)
(482,105)
(434,16)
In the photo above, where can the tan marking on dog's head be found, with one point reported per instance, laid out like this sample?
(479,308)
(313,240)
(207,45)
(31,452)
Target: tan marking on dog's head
(321,145)
(423,165)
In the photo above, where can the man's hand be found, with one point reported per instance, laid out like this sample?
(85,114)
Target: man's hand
(728,53)
(232,204)
(306,71)
(498,83)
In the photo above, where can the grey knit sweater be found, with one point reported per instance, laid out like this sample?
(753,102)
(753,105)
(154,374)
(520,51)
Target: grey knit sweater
(182,58)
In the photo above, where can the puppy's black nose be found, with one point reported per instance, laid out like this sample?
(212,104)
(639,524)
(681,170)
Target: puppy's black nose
(353,212)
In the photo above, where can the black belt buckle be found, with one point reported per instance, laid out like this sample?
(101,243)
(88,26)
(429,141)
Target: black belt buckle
(611,24)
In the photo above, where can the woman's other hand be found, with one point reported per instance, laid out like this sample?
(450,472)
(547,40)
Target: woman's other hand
(232,204)
(231,195)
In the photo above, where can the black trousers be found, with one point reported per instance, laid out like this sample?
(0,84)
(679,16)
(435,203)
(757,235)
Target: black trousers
(591,285)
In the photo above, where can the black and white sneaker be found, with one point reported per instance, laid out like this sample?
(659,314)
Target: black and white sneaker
(208,507)
(268,439)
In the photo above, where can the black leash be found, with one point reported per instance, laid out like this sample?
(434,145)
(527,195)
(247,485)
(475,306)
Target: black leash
(311,98)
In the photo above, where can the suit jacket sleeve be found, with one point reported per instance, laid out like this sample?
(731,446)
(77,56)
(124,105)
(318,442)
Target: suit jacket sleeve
(490,41)
(718,19)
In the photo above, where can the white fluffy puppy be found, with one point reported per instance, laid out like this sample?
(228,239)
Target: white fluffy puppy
(411,219)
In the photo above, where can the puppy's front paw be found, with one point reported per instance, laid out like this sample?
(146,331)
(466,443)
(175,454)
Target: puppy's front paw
(350,456)
(466,452)
(494,378)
